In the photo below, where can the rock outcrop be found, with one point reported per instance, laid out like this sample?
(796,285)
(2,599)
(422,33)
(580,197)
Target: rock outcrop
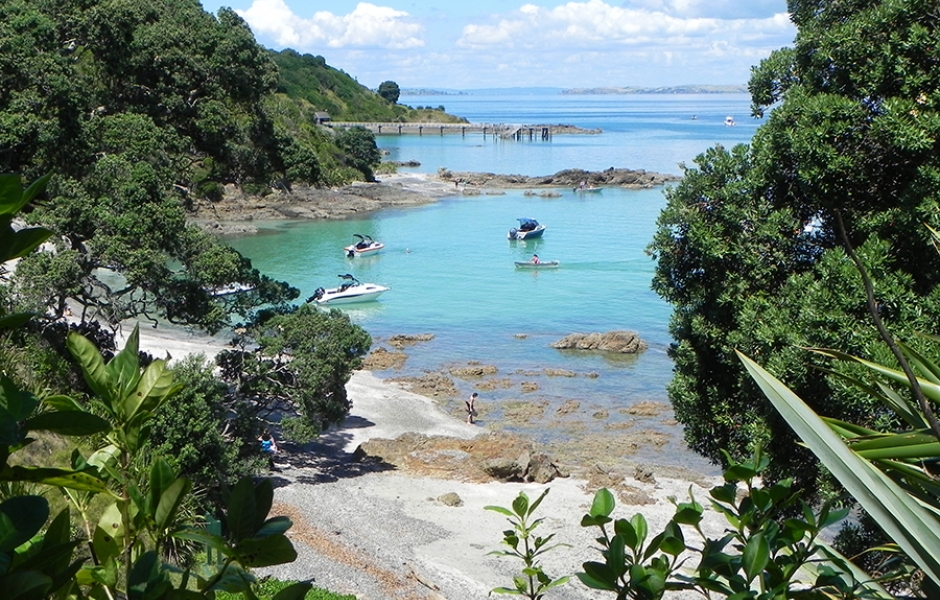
(624,342)
(490,457)
(631,178)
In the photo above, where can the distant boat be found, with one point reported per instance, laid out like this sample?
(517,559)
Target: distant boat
(545,264)
(591,189)
(527,230)
(365,245)
(729,121)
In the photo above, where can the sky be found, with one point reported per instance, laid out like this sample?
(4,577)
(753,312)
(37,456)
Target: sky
(472,44)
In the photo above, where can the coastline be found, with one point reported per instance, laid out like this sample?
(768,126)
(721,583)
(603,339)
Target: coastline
(237,211)
(379,531)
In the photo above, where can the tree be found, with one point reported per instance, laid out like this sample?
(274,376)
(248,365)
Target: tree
(135,106)
(296,364)
(390,91)
(361,152)
(751,248)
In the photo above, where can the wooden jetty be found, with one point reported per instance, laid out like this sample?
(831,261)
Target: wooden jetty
(499,130)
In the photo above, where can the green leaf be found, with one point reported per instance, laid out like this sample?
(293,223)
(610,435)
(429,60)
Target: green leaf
(93,368)
(15,320)
(241,510)
(25,585)
(109,534)
(20,404)
(25,241)
(598,576)
(170,501)
(603,504)
(274,526)
(755,556)
(538,501)
(295,591)
(521,504)
(625,530)
(912,527)
(22,518)
(70,423)
(500,510)
(76,480)
(265,552)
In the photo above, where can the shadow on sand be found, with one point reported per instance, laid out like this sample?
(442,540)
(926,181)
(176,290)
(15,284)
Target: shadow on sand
(326,459)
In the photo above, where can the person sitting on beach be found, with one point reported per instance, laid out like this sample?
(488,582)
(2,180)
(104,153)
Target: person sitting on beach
(535,259)
(470,409)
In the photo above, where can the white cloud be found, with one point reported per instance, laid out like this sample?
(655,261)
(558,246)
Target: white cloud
(367,26)
(596,24)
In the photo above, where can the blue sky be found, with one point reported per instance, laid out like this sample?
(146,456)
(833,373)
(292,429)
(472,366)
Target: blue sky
(467,44)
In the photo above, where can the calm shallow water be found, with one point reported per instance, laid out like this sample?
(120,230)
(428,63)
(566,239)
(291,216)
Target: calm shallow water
(450,266)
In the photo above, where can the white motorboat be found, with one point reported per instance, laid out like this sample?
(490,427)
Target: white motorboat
(729,121)
(365,245)
(350,291)
(528,229)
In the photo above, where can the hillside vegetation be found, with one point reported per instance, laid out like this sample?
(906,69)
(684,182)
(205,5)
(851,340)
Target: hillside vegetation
(310,79)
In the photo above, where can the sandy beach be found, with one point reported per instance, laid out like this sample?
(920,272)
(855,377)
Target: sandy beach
(376,532)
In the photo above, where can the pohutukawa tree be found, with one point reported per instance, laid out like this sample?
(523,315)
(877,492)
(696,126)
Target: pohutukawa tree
(751,249)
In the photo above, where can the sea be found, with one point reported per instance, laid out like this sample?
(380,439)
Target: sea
(451,268)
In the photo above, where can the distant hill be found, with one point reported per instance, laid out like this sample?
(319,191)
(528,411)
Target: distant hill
(331,90)
(678,89)
(306,78)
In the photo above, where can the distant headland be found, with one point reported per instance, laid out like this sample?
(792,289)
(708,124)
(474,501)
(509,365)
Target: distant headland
(611,90)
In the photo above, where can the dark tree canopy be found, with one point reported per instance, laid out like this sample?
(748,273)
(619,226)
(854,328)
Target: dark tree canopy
(135,106)
(390,91)
(749,248)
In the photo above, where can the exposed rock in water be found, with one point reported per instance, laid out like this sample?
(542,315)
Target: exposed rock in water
(474,371)
(434,385)
(381,359)
(400,340)
(624,342)
(632,178)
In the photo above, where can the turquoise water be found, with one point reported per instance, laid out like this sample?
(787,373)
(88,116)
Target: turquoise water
(655,132)
(450,266)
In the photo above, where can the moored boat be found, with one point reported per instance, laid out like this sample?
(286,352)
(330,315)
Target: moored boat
(349,292)
(365,245)
(528,229)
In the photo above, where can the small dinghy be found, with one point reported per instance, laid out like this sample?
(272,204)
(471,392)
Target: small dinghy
(545,264)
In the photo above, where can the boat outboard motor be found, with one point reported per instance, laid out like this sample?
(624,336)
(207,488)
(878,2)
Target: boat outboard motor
(351,253)
(513,232)
(317,294)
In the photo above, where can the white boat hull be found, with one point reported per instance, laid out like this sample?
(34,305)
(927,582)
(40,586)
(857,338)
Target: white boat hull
(365,292)
(356,251)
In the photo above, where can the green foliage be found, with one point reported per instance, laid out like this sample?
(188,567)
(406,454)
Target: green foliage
(296,364)
(189,432)
(390,91)
(361,152)
(307,77)
(890,473)
(749,249)
(268,589)
(763,554)
(533,582)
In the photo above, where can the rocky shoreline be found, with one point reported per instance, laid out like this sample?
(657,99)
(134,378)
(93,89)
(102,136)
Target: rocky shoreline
(236,212)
